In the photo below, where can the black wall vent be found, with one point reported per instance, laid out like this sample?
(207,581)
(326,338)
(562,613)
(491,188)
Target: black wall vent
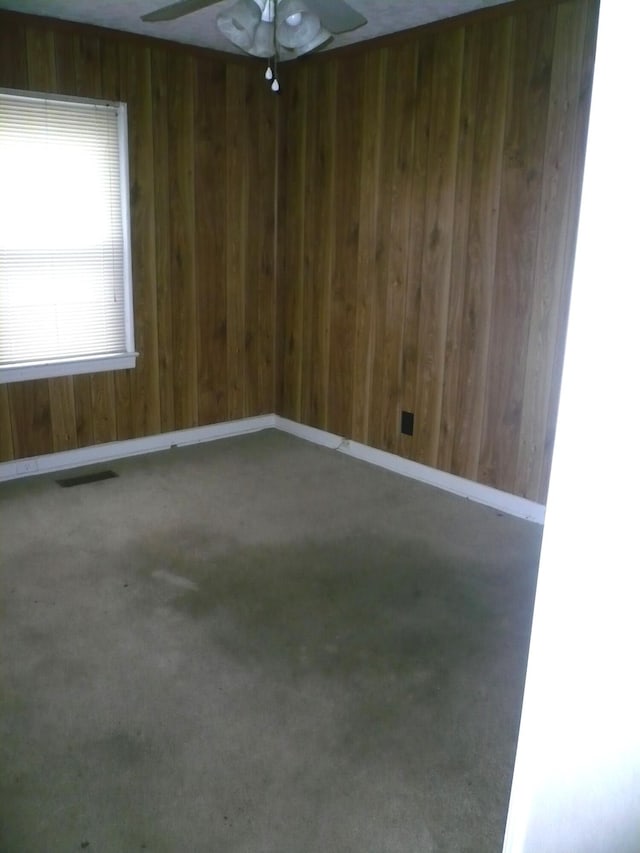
(86,478)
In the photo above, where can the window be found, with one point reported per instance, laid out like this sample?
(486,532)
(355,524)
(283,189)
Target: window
(65,267)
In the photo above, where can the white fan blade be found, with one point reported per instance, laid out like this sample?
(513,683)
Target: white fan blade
(336,15)
(177,10)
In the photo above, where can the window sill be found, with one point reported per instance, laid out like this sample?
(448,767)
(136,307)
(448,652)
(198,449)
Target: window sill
(48,370)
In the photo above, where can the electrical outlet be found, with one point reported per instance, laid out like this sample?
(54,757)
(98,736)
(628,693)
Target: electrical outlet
(27,466)
(406,423)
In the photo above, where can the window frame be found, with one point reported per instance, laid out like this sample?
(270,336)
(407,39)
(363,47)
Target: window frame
(72,366)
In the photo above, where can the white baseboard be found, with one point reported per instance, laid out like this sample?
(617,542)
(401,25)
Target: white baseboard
(96,454)
(317,436)
(502,501)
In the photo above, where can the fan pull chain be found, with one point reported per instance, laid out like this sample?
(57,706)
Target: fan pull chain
(275,86)
(270,75)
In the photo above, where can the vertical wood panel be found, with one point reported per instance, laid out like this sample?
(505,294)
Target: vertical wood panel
(103,397)
(13,56)
(481,246)
(372,120)
(182,236)
(162,219)
(259,292)
(323,126)
(556,205)
(237,213)
(291,257)
(401,106)
(425,241)
(84,410)
(6,432)
(182,231)
(568,250)
(30,409)
(111,51)
(63,413)
(415,248)
(88,65)
(438,239)
(523,165)
(265,190)
(380,249)
(348,139)
(210,192)
(253,259)
(452,304)
(305,235)
(65,62)
(145,387)
(41,63)
(455,341)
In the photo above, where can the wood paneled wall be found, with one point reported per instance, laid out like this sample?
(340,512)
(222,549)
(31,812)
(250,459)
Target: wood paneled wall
(201,149)
(429,195)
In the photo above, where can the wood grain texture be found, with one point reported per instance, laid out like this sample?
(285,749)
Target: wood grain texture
(427,203)
(291,257)
(553,245)
(265,178)
(63,413)
(29,404)
(13,56)
(477,256)
(425,55)
(346,225)
(162,220)
(437,239)
(518,223)
(373,111)
(182,240)
(571,213)
(442,164)
(210,244)
(455,343)
(144,380)
(400,103)
(6,432)
(186,162)
(238,124)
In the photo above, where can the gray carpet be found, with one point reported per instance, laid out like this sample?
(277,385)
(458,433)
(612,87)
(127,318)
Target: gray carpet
(258,646)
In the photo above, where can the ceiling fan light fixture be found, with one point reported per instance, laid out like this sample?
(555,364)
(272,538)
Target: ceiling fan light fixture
(263,44)
(292,53)
(296,25)
(240,23)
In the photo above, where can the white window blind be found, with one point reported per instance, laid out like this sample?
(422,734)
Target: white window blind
(65,284)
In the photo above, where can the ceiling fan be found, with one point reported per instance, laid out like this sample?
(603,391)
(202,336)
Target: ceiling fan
(273,29)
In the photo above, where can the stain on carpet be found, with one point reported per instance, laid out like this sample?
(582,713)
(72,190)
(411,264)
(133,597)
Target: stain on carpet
(364,607)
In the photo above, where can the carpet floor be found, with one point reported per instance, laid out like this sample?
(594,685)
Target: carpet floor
(258,646)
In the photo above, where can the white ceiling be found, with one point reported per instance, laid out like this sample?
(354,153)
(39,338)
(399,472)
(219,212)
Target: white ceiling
(199,28)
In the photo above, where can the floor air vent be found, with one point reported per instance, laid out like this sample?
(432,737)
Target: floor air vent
(86,478)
